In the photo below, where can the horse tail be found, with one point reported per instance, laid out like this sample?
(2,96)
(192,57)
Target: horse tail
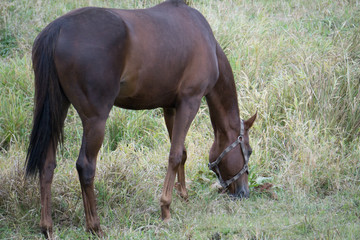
(49,100)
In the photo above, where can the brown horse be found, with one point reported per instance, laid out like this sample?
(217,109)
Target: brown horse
(165,56)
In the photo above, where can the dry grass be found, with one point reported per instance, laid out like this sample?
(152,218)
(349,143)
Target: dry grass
(296,62)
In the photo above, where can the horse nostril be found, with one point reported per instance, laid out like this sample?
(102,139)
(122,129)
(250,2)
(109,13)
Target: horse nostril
(243,193)
(240,194)
(246,194)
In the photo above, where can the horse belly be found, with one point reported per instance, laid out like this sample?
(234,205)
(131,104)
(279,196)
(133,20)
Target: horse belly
(145,94)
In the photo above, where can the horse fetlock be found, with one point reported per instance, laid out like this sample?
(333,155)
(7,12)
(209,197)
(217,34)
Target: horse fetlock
(93,226)
(165,213)
(165,200)
(181,191)
(46,228)
(96,231)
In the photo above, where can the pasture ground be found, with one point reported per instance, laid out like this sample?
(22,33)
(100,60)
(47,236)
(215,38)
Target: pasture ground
(295,62)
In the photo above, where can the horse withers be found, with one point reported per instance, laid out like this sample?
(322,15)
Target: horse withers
(165,56)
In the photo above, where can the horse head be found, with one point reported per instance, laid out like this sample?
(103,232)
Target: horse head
(231,167)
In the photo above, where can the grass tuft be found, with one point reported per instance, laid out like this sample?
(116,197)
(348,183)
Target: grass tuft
(295,62)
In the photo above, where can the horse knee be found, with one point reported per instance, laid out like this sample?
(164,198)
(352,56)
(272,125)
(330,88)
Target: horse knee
(178,158)
(175,160)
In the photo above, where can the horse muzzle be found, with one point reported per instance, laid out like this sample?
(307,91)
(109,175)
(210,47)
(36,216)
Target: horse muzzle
(241,192)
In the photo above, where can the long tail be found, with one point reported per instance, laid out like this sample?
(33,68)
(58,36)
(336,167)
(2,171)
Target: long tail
(49,100)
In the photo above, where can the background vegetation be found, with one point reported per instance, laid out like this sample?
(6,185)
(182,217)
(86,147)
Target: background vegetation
(296,62)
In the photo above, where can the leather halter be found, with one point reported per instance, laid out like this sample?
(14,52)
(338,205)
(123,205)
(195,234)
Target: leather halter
(245,153)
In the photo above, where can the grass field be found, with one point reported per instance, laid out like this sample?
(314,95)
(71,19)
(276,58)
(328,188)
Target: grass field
(296,62)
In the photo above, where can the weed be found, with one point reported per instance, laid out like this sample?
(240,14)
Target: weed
(295,62)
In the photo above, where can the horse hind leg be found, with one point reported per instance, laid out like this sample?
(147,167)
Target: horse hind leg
(93,136)
(46,174)
(46,177)
(180,185)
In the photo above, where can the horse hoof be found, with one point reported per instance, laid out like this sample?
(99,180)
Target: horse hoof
(100,233)
(47,233)
(96,231)
(165,213)
(182,192)
(46,229)
(184,196)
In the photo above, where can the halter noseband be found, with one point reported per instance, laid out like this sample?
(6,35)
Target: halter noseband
(245,153)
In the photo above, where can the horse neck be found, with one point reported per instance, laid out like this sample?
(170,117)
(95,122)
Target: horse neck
(224,110)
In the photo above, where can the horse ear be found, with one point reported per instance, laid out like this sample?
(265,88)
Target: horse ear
(250,121)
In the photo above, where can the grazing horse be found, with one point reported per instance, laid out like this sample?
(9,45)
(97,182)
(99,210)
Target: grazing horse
(165,56)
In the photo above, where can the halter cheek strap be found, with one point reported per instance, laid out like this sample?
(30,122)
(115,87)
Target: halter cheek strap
(215,165)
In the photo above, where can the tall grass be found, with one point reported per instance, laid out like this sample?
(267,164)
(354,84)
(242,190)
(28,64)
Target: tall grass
(296,62)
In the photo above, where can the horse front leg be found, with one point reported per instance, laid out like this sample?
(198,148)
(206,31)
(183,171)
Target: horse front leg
(185,113)
(93,137)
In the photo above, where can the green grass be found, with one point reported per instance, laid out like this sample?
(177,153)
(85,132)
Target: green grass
(296,62)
